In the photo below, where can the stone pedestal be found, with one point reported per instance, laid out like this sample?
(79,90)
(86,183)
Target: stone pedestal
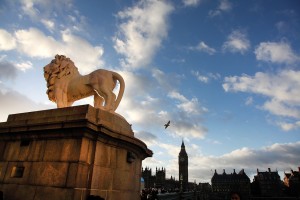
(70,153)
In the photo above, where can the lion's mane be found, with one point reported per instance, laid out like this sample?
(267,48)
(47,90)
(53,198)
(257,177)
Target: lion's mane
(60,67)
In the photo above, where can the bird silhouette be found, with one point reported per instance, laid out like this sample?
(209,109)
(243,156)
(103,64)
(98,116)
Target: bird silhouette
(167,124)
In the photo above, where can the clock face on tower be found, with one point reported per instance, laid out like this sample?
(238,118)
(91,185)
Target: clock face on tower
(181,159)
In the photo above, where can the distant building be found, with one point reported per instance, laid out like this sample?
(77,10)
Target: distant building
(148,178)
(157,180)
(292,183)
(267,184)
(183,168)
(223,184)
(171,184)
(204,191)
(160,180)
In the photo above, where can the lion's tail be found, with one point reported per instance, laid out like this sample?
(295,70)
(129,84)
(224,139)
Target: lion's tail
(118,77)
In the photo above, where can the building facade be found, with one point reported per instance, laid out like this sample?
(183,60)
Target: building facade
(154,181)
(148,178)
(267,184)
(223,184)
(292,183)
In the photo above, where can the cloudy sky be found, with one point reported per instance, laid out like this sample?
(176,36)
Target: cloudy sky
(226,73)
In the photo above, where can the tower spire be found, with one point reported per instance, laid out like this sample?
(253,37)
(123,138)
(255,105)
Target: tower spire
(182,144)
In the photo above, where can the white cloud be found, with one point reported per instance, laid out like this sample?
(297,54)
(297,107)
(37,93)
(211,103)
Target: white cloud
(289,126)
(276,52)
(237,42)
(86,56)
(188,129)
(7,41)
(249,101)
(170,148)
(191,2)
(141,33)
(178,96)
(38,9)
(281,89)
(204,48)
(50,13)
(49,24)
(35,43)
(188,106)
(201,78)
(166,81)
(224,6)
(281,108)
(137,99)
(205,78)
(283,86)
(29,9)
(24,65)
(141,104)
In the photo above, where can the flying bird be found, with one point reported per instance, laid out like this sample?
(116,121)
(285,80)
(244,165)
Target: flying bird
(167,124)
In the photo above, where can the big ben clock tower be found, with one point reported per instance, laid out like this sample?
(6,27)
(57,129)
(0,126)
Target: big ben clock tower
(183,168)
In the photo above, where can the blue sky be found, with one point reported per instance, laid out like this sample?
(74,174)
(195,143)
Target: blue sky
(226,73)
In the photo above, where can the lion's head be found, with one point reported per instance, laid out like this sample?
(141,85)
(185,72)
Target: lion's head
(60,67)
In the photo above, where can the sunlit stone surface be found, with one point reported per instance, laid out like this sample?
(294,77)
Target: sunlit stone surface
(70,153)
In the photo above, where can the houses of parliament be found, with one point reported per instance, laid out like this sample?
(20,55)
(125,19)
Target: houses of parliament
(266,184)
(159,179)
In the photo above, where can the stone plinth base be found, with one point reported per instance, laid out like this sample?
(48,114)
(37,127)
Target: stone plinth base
(70,153)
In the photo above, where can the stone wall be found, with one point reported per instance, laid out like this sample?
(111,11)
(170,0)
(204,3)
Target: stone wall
(70,153)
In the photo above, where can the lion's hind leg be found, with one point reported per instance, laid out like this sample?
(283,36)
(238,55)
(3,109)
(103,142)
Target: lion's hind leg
(109,97)
(98,100)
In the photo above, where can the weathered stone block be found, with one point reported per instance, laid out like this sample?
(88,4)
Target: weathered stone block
(3,169)
(122,180)
(12,150)
(79,193)
(37,150)
(17,180)
(78,175)
(51,193)
(18,192)
(24,152)
(122,195)
(103,155)
(113,158)
(121,159)
(2,149)
(53,150)
(86,150)
(49,173)
(71,150)
(102,178)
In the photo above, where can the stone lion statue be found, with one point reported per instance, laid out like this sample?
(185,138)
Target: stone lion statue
(66,85)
